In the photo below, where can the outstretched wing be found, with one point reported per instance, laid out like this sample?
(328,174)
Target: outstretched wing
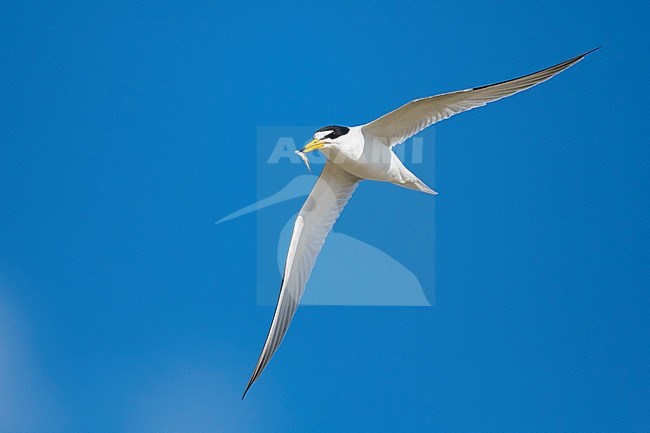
(314,221)
(400,124)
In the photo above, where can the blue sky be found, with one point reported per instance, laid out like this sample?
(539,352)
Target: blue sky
(127,129)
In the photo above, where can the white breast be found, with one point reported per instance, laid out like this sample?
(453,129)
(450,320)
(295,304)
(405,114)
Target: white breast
(365,159)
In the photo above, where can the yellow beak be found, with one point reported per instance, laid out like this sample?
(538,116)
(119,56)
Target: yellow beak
(312,145)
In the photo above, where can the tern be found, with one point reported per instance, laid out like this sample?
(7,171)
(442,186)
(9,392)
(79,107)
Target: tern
(366,152)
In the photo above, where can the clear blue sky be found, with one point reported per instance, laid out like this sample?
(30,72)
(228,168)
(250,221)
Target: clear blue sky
(127,129)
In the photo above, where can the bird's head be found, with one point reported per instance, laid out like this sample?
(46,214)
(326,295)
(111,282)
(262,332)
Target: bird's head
(326,137)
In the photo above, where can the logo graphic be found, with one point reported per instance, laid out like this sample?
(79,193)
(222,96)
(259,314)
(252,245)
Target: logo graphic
(362,263)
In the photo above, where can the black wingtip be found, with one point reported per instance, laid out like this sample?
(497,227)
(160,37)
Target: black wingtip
(246,390)
(591,51)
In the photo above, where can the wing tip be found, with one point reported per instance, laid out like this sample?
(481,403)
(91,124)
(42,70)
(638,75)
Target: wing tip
(591,51)
(563,65)
(581,56)
(250,383)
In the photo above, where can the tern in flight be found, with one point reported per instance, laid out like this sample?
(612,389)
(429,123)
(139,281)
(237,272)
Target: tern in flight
(366,152)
